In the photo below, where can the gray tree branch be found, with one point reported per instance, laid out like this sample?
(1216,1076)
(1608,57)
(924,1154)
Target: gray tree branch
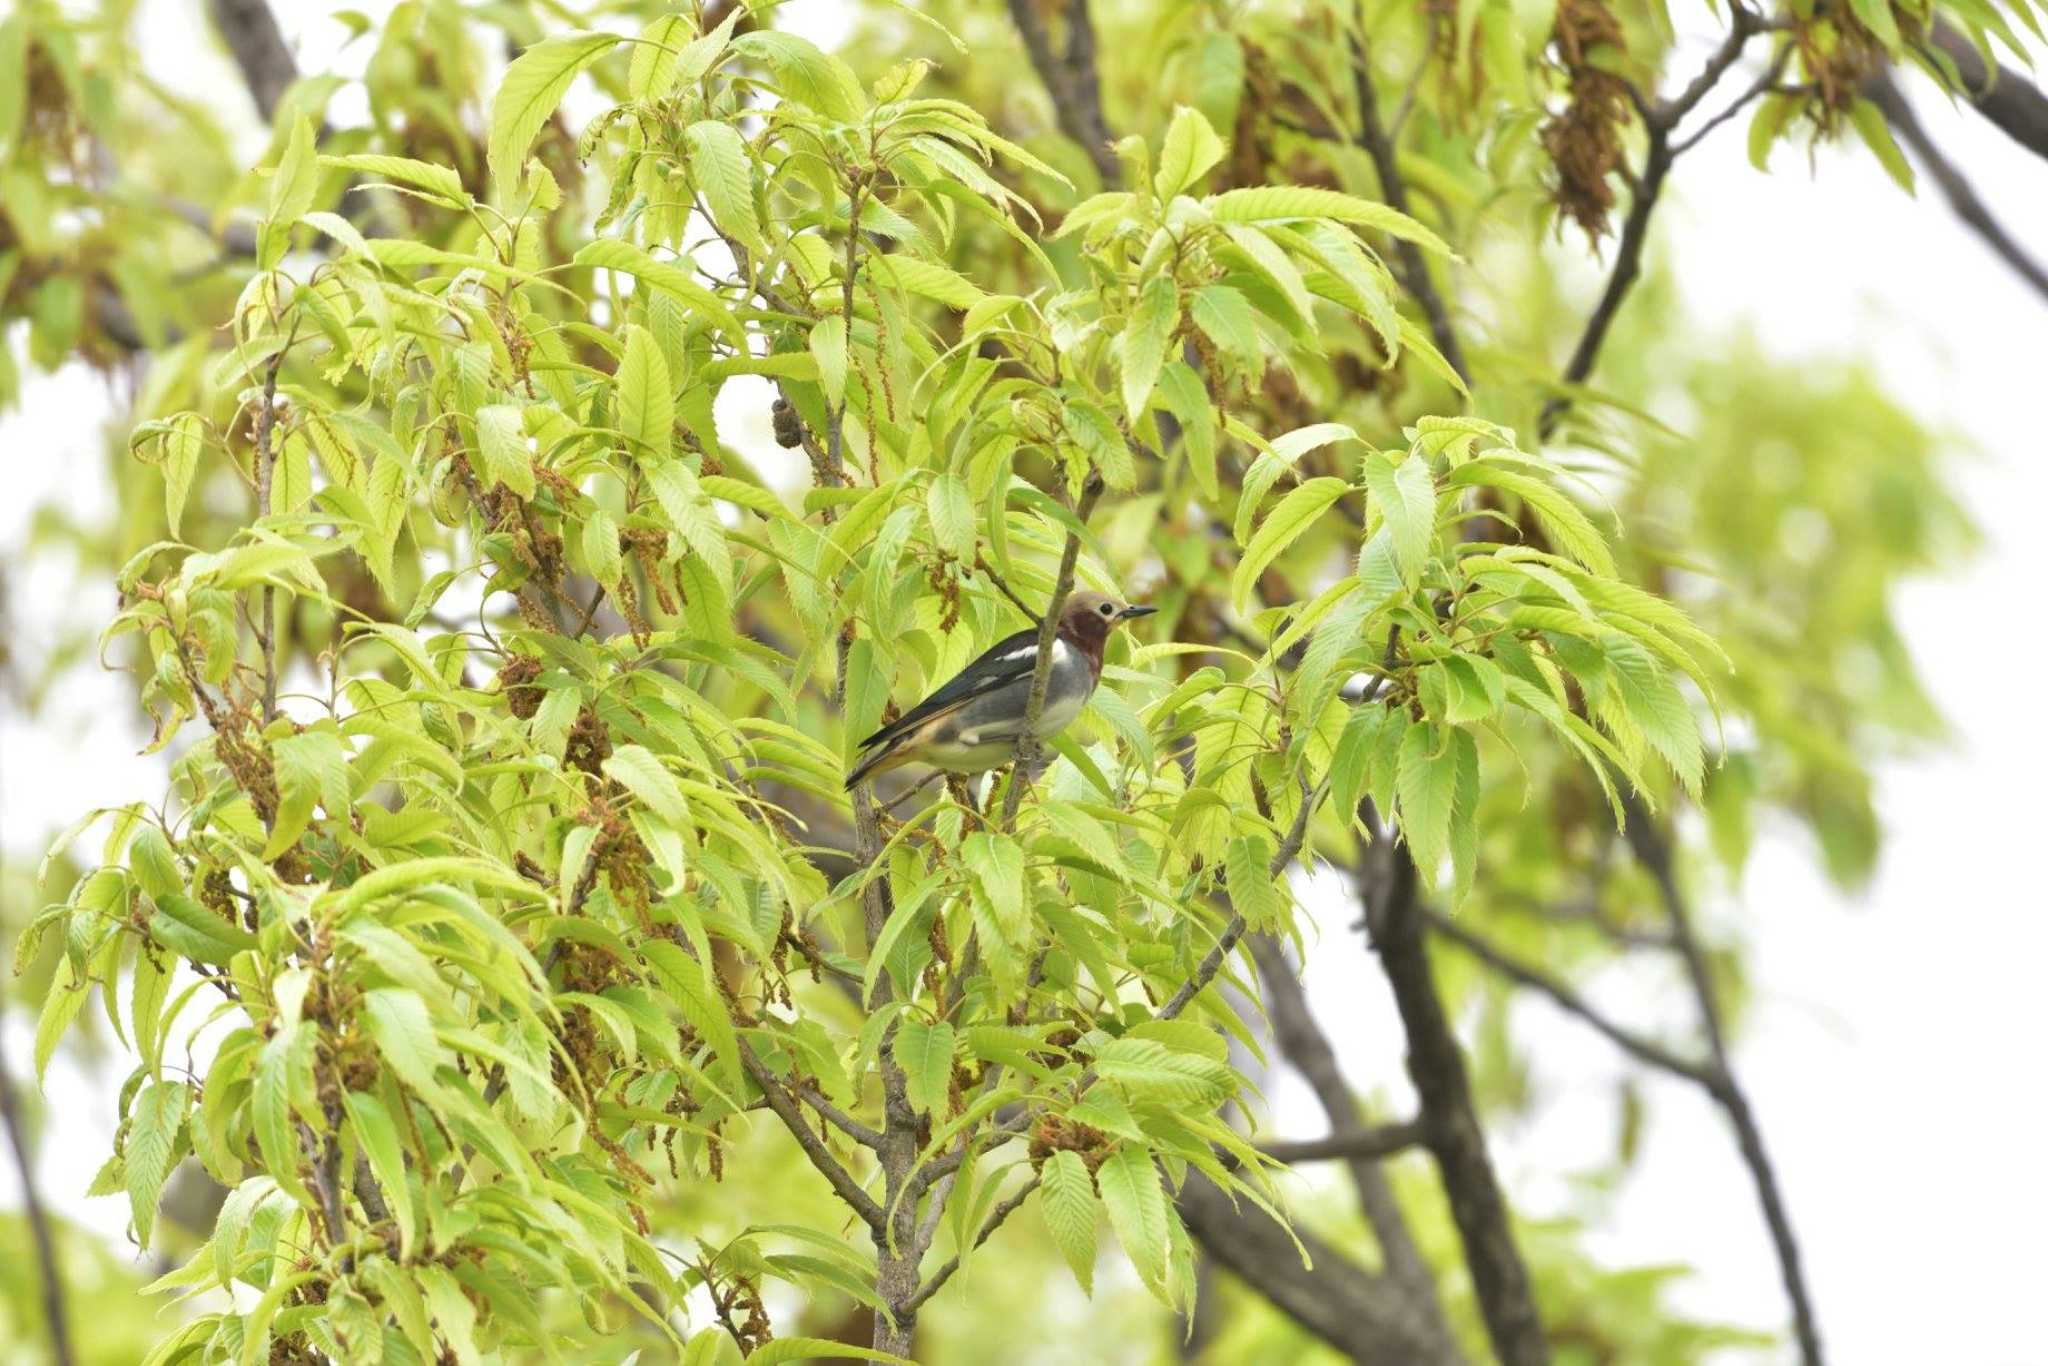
(51,1274)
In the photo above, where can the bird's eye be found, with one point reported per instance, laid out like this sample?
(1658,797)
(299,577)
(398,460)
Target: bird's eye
(1106,610)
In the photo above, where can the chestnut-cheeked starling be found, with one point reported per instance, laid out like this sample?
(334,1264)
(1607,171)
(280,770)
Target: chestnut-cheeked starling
(973,723)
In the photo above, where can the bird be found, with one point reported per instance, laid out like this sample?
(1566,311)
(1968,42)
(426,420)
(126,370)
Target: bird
(973,722)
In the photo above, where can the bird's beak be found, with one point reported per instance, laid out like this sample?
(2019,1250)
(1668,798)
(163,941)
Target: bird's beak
(1135,610)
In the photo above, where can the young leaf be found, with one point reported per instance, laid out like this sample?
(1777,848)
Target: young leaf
(503,457)
(1066,1197)
(1141,348)
(534,84)
(1281,528)
(1190,150)
(722,172)
(925,1053)
(1129,1182)
(646,404)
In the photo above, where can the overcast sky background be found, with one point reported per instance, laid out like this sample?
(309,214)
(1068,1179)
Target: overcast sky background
(1891,1049)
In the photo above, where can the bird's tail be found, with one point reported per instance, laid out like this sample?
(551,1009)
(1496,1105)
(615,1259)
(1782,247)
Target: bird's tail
(877,761)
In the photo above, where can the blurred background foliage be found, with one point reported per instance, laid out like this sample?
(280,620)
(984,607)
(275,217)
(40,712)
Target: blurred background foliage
(1781,504)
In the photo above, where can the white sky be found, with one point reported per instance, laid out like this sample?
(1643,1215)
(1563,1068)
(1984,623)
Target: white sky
(1891,1044)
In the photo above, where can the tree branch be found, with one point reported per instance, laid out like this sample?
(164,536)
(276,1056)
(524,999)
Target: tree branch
(1884,92)
(1408,257)
(1637,1046)
(1653,851)
(1307,1048)
(38,1223)
(1369,1145)
(2013,104)
(258,47)
(1451,1120)
(1658,123)
(1374,1321)
(1070,79)
(994,1221)
(785,1107)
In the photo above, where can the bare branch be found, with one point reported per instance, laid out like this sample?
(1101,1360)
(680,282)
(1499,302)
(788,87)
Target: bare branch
(839,1119)
(1307,1048)
(1962,197)
(2015,105)
(251,33)
(1571,1002)
(1653,851)
(1367,1145)
(1372,1320)
(1070,78)
(1450,1117)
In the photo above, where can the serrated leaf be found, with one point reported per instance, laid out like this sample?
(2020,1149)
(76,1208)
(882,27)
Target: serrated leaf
(1406,499)
(154,1122)
(1281,203)
(828,348)
(182,445)
(645,403)
(925,1053)
(503,456)
(721,171)
(1290,517)
(1190,150)
(601,549)
(1226,318)
(637,770)
(1136,1202)
(378,1136)
(403,1030)
(1142,346)
(1066,1197)
(951,511)
(533,85)
(997,862)
(443,181)
(1427,787)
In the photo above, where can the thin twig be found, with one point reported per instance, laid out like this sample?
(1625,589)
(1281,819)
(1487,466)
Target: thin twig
(785,1107)
(1653,851)
(266,469)
(1380,1141)
(994,1221)
(1571,1002)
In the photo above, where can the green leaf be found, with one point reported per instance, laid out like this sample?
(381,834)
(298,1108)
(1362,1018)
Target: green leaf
(1279,271)
(271,1114)
(641,773)
(444,181)
(501,447)
(1066,1197)
(819,1349)
(1190,150)
(997,862)
(1136,1202)
(1281,528)
(1283,203)
(197,932)
(803,73)
(1149,1069)
(1406,499)
(1427,785)
(1226,318)
(951,510)
(378,1135)
(403,1031)
(534,84)
(1142,346)
(291,193)
(609,253)
(601,549)
(1654,703)
(828,348)
(925,1053)
(1877,136)
(689,984)
(646,404)
(152,1139)
(722,172)
(182,445)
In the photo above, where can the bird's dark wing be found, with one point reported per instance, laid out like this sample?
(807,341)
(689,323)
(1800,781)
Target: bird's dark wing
(1003,663)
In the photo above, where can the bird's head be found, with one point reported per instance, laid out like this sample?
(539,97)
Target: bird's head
(1090,617)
